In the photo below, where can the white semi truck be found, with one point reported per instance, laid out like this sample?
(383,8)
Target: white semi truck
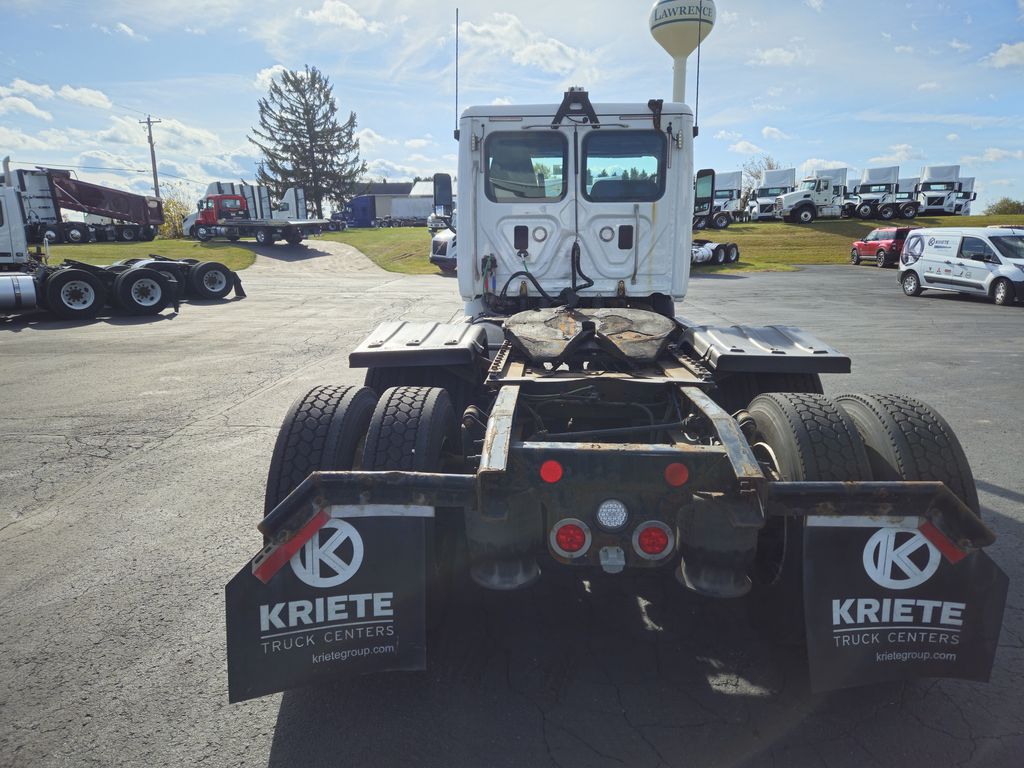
(966,197)
(572,421)
(726,207)
(822,195)
(939,190)
(876,193)
(776,182)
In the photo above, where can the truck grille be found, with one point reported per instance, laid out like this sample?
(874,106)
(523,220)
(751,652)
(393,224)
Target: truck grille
(439,247)
(768,208)
(936,200)
(778,206)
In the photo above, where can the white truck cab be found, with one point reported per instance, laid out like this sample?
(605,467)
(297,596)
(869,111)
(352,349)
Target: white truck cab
(966,197)
(983,261)
(938,190)
(728,190)
(761,205)
(588,201)
(819,196)
(876,193)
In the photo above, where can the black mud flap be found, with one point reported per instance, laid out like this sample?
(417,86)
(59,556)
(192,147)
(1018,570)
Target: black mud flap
(891,598)
(342,596)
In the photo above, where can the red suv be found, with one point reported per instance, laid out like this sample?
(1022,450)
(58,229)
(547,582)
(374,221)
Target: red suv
(882,246)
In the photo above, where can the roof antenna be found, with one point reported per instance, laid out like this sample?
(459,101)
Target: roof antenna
(456,131)
(696,99)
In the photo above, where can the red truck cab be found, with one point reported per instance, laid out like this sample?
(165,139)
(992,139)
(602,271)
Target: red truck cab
(216,208)
(882,246)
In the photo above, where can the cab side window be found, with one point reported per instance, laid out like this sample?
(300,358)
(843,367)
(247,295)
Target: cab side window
(1,213)
(977,249)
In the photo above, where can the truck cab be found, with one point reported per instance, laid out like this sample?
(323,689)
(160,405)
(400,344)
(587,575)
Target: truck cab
(214,209)
(581,199)
(774,183)
(822,195)
(939,190)
(966,196)
(13,243)
(726,207)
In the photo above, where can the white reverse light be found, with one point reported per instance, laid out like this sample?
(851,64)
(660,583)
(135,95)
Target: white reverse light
(612,515)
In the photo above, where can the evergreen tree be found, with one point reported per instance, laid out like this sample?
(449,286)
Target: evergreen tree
(302,141)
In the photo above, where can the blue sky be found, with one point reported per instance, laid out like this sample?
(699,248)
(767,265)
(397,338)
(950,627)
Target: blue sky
(814,83)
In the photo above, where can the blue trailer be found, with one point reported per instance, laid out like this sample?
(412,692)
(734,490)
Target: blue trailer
(361,211)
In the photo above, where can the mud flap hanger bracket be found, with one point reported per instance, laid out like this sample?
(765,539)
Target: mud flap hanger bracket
(946,521)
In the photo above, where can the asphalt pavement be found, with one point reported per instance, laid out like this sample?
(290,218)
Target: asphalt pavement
(133,460)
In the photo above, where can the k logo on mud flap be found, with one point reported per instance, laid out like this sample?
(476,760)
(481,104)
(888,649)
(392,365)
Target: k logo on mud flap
(322,560)
(900,559)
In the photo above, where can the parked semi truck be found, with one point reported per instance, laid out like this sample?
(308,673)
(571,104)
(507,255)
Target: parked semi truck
(966,197)
(906,197)
(575,421)
(822,195)
(775,182)
(76,290)
(939,190)
(44,194)
(234,211)
(727,207)
(876,193)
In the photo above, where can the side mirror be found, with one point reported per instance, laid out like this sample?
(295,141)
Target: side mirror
(704,191)
(443,193)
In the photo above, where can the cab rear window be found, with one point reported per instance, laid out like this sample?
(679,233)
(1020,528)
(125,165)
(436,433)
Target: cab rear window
(525,167)
(624,166)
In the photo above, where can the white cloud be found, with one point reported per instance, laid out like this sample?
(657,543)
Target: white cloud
(727,17)
(1008,55)
(266,75)
(127,31)
(87,97)
(10,104)
(370,140)
(904,49)
(20,87)
(418,143)
(816,5)
(775,57)
(955,136)
(959,46)
(339,14)
(931,85)
(725,135)
(994,155)
(744,147)
(501,101)
(195,31)
(770,132)
(898,153)
(505,38)
(12,139)
(944,118)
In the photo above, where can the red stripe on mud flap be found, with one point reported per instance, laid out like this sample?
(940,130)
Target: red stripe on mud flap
(266,570)
(942,542)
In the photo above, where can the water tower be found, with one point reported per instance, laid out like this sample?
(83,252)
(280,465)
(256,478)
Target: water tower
(679,26)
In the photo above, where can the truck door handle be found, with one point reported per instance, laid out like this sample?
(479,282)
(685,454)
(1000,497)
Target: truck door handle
(949,262)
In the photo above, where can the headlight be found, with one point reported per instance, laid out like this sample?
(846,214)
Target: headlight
(1020,266)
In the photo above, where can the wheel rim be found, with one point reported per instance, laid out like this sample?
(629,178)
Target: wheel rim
(146,292)
(854,256)
(128,234)
(50,235)
(805,216)
(77,294)
(202,233)
(1000,292)
(910,283)
(880,258)
(215,280)
(75,235)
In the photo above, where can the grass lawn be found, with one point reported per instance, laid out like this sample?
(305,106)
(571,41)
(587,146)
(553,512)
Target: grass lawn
(228,254)
(397,249)
(768,246)
(777,246)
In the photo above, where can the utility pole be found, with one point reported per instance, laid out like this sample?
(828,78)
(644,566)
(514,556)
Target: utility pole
(148,122)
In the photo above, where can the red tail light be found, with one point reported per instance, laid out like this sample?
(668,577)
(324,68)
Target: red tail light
(550,471)
(676,474)
(570,538)
(653,540)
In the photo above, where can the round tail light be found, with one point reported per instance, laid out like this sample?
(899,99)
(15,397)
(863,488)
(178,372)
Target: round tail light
(653,540)
(570,538)
(676,474)
(550,471)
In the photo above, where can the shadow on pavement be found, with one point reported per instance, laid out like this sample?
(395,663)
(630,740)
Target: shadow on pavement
(281,251)
(40,320)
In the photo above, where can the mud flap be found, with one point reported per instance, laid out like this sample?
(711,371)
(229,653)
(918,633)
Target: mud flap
(342,597)
(883,602)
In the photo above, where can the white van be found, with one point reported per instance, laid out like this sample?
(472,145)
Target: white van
(984,261)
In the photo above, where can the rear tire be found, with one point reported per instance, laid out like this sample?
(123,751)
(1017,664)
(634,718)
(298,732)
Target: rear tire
(142,291)
(854,257)
(718,255)
(799,437)
(412,429)
(887,212)
(73,294)
(908,212)
(263,237)
(210,280)
(732,253)
(908,440)
(76,234)
(805,215)
(323,430)
(720,220)
(881,258)
(911,283)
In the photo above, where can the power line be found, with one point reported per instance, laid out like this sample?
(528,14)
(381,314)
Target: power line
(103,168)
